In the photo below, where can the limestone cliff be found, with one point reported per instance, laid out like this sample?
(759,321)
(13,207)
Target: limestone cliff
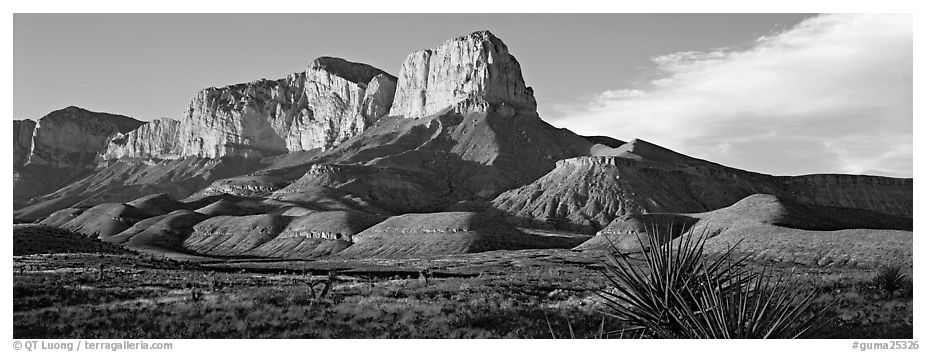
(886,195)
(73,136)
(158,139)
(472,73)
(60,148)
(329,102)
(22,141)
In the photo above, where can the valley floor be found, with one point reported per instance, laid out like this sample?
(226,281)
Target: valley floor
(499,294)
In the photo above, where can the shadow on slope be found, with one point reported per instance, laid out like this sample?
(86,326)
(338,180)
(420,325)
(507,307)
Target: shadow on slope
(433,234)
(40,239)
(317,234)
(424,165)
(105,220)
(161,232)
(277,236)
(128,179)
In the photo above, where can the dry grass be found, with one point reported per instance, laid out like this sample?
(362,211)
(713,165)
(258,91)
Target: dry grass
(505,294)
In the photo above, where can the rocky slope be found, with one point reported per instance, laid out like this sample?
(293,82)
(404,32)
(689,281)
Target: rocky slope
(105,220)
(331,101)
(772,228)
(60,148)
(888,195)
(477,141)
(39,239)
(441,234)
(428,164)
(127,179)
(587,193)
(160,233)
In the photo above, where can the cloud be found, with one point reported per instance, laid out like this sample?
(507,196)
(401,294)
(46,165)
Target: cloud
(831,94)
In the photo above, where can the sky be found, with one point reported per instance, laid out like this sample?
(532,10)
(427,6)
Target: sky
(784,94)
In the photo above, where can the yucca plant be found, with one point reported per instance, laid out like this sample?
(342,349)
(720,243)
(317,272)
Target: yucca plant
(890,279)
(676,291)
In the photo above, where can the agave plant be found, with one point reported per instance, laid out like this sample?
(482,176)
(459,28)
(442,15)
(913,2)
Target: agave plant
(676,291)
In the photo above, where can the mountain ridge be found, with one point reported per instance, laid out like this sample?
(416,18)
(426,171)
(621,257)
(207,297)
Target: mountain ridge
(254,169)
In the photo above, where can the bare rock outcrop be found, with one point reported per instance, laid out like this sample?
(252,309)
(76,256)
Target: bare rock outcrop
(156,139)
(73,136)
(331,101)
(886,195)
(60,148)
(472,73)
(22,141)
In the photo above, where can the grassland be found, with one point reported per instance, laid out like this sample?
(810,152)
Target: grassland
(501,294)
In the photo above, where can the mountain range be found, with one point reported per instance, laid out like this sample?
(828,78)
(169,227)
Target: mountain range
(448,156)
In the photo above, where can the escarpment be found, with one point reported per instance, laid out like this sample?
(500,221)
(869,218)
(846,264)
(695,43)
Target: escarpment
(331,101)
(60,148)
(156,139)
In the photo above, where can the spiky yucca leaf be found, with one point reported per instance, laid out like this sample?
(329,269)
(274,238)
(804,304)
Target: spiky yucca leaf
(677,292)
(762,307)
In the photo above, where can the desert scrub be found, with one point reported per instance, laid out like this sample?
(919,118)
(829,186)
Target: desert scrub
(862,310)
(679,292)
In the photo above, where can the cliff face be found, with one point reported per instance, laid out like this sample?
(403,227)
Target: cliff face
(475,70)
(71,137)
(60,148)
(22,141)
(331,101)
(882,194)
(157,139)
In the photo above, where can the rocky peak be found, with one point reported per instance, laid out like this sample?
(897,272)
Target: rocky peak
(474,72)
(90,120)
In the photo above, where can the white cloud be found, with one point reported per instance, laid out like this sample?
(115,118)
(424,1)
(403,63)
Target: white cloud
(832,94)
